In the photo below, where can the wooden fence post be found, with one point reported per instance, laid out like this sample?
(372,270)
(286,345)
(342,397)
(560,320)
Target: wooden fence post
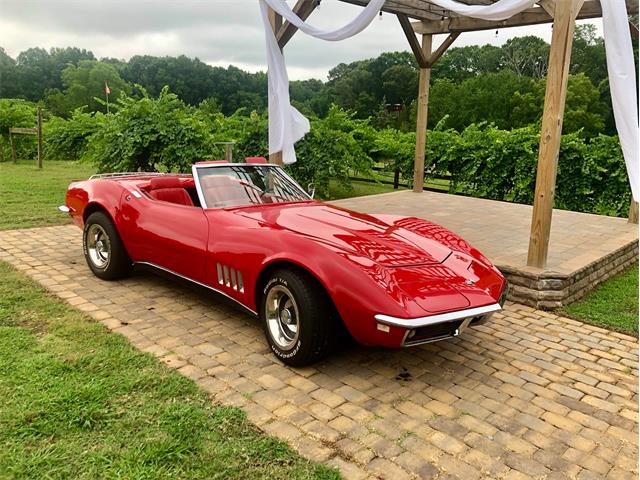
(228,152)
(39,127)
(13,148)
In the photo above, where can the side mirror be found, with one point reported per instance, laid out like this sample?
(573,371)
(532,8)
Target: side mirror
(311,189)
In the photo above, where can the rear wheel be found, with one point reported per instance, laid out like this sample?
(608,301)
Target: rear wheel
(296,315)
(103,250)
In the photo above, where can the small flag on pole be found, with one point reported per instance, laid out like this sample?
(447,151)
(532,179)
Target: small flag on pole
(107,90)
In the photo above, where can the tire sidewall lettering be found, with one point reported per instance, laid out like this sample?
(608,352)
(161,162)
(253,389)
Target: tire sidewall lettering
(289,354)
(273,282)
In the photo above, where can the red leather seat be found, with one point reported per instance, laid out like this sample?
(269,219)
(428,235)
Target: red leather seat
(157,183)
(172,195)
(172,189)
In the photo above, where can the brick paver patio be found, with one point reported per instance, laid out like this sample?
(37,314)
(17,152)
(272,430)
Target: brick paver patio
(529,395)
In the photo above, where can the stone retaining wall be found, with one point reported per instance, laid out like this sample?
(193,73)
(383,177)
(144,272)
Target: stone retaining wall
(548,290)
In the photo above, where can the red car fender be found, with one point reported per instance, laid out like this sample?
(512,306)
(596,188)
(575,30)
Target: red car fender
(85,197)
(348,281)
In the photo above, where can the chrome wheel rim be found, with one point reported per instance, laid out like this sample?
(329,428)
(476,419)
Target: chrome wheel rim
(98,246)
(283,321)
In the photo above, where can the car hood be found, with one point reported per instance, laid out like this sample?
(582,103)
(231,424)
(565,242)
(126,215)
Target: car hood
(389,245)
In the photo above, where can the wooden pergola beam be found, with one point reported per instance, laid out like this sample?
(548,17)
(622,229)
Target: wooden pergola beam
(416,48)
(435,56)
(533,16)
(565,13)
(417,9)
(302,8)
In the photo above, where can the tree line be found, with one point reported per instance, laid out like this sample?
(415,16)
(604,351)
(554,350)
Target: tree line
(164,134)
(500,85)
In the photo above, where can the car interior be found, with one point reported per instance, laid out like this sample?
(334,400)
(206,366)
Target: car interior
(179,190)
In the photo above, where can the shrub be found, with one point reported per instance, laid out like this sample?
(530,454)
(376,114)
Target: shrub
(335,146)
(151,134)
(68,139)
(249,132)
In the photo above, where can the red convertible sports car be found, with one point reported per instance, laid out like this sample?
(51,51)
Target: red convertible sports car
(305,268)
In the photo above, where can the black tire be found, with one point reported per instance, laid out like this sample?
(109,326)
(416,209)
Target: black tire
(108,260)
(315,318)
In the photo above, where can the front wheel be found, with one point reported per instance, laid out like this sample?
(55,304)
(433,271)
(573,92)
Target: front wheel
(103,250)
(296,315)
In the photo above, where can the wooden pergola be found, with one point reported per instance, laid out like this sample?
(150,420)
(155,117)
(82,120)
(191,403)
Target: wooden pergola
(421,17)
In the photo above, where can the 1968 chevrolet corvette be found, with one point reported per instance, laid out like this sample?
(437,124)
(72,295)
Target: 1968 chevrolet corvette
(251,233)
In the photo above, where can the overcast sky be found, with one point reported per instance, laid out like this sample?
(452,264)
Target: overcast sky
(218,32)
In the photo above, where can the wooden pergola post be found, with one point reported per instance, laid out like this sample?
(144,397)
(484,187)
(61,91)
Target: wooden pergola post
(425,60)
(564,15)
(276,23)
(421,117)
(633,212)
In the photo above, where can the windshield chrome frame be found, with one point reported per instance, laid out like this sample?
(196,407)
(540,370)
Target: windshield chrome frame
(203,202)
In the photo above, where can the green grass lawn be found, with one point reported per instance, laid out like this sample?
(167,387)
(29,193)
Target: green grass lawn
(79,402)
(614,304)
(29,197)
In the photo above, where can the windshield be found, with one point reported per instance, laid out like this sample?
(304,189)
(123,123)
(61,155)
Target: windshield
(241,185)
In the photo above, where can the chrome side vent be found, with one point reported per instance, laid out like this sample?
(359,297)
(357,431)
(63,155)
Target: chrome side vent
(219,269)
(230,277)
(240,283)
(233,279)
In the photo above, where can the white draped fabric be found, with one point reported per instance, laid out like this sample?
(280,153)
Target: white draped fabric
(622,83)
(287,125)
(500,10)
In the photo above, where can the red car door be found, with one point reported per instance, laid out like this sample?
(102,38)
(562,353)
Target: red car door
(168,235)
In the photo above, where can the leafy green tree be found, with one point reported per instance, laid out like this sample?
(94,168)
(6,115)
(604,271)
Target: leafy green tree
(526,56)
(9,84)
(84,85)
(461,63)
(189,78)
(400,84)
(309,97)
(583,110)
(38,70)
(484,98)
(401,62)
(588,53)
(334,147)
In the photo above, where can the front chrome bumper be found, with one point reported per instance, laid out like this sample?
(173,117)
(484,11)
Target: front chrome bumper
(438,327)
(439,318)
